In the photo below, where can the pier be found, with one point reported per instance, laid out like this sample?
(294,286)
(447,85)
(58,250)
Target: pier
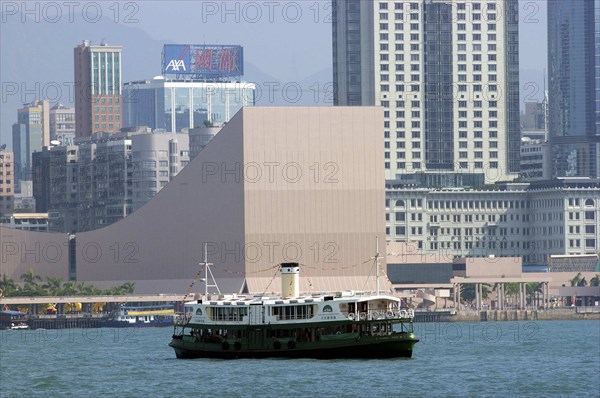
(553,314)
(37,318)
(140,298)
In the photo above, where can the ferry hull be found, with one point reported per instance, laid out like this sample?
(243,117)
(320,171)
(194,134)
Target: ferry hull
(367,349)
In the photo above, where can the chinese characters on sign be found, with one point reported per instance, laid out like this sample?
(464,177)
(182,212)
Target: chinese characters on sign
(209,61)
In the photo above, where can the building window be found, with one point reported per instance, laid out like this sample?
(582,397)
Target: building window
(590,243)
(589,215)
(590,229)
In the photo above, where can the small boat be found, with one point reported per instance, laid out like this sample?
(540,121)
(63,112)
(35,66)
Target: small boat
(143,316)
(340,325)
(13,320)
(18,326)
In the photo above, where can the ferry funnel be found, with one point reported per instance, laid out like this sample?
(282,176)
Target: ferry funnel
(290,284)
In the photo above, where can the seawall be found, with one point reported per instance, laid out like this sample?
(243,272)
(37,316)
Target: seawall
(526,315)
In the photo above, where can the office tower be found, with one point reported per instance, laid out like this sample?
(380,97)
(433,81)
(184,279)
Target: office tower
(534,116)
(30,134)
(97,88)
(62,124)
(174,105)
(574,86)
(6,182)
(41,179)
(446,73)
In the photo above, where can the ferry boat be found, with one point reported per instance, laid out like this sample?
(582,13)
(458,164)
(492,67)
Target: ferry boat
(143,316)
(341,325)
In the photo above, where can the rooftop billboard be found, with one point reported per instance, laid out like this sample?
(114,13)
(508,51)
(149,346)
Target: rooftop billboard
(203,60)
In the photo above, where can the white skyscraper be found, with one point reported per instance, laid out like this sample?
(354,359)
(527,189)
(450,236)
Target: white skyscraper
(446,72)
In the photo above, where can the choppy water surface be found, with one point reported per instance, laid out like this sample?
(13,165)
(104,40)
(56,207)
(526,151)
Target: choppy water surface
(542,358)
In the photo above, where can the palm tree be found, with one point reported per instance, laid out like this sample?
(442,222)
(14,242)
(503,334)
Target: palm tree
(80,288)
(91,290)
(31,287)
(532,289)
(467,292)
(511,289)
(52,285)
(111,291)
(595,281)
(576,280)
(128,287)
(8,287)
(30,277)
(68,288)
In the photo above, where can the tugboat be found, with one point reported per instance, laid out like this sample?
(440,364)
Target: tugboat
(341,325)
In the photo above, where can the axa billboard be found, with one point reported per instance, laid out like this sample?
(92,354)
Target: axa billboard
(203,60)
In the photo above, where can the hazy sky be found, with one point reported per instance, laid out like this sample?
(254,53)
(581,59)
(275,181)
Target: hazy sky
(532,34)
(286,39)
(292,37)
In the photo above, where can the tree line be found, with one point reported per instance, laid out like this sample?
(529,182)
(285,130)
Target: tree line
(35,285)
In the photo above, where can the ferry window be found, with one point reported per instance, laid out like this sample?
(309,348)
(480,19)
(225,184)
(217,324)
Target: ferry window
(293,312)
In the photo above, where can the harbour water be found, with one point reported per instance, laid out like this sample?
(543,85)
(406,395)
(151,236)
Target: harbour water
(537,358)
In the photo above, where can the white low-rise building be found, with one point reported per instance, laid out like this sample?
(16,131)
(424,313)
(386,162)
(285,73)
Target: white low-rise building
(532,221)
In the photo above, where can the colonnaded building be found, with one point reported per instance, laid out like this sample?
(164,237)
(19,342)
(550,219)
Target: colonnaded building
(532,221)
(275,184)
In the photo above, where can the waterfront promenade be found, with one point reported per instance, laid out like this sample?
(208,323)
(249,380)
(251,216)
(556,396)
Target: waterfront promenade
(139,298)
(92,311)
(551,314)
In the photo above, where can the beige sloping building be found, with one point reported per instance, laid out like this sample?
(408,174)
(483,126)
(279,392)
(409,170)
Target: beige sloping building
(275,184)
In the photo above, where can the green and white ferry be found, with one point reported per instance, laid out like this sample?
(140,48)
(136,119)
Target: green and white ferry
(341,325)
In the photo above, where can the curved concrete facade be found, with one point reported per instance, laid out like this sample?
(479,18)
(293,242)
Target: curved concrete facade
(275,184)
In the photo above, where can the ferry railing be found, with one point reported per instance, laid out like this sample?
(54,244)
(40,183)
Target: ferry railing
(182,319)
(403,313)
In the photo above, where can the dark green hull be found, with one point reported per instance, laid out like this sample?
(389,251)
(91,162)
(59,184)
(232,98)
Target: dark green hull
(398,345)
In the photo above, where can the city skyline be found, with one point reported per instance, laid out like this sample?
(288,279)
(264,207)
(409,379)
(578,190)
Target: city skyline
(407,57)
(268,57)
